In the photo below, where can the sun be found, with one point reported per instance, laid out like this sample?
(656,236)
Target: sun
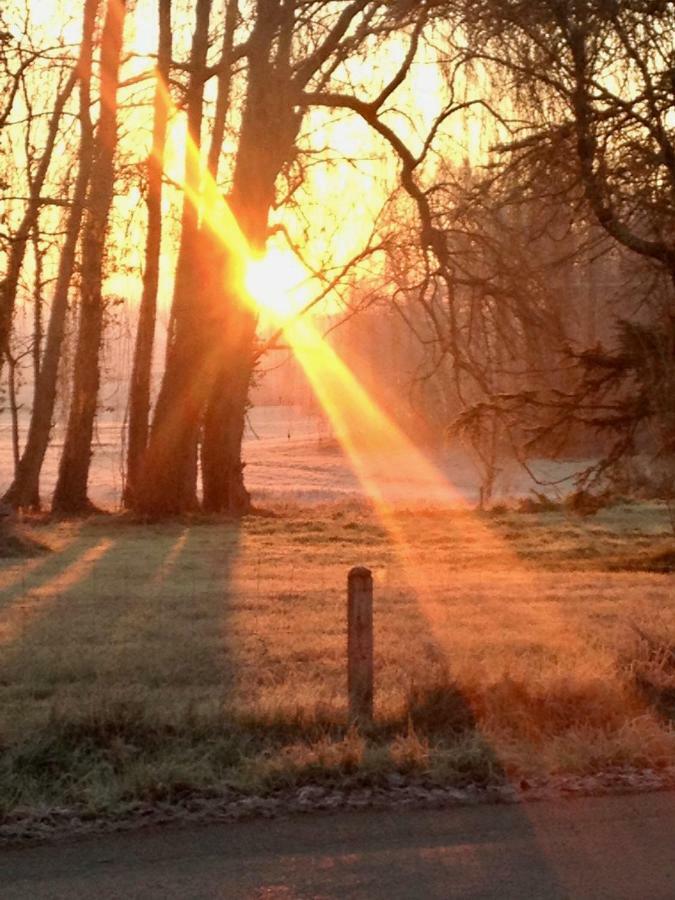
(277,283)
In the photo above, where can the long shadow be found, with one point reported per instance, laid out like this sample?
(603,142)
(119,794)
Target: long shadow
(126,625)
(435,706)
(168,634)
(143,652)
(29,589)
(19,575)
(440,712)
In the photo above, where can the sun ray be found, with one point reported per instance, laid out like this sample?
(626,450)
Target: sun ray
(20,574)
(23,609)
(382,456)
(395,473)
(169,561)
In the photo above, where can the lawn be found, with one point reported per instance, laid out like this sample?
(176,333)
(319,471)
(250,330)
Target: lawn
(151,662)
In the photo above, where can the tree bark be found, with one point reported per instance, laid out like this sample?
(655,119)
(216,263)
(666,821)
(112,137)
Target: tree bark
(225,418)
(13,408)
(167,482)
(24,490)
(139,391)
(70,495)
(268,132)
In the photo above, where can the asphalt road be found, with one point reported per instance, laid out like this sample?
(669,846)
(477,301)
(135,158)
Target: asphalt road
(612,847)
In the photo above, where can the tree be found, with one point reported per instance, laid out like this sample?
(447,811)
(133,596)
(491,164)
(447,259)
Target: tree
(167,483)
(595,91)
(575,99)
(70,494)
(292,46)
(596,81)
(24,490)
(139,391)
(267,138)
(29,221)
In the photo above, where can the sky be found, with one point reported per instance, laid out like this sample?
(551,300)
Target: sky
(341,197)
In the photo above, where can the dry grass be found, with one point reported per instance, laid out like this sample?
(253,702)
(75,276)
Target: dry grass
(143,661)
(16,544)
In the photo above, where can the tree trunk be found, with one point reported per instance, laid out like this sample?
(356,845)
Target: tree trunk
(224,421)
(268,131)
(13,409)
(167,483)
(24,490)
(70,495)
(139,392)
(38,284)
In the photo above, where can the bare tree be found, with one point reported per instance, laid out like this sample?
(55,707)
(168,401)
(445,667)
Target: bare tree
(292,51)
(594,80)
(595,94)
(139,392)
(168,480)
(21,238)
(24,490)
(70,494)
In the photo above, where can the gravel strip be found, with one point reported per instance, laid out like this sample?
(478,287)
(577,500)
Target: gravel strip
(396,792)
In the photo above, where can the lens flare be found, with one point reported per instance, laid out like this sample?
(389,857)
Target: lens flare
(389,465)
(394,472)
(276,283)
(391,468)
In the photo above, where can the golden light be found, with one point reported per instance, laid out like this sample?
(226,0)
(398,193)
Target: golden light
(276,283)
(382,455)
(14,615)
(393,470)
(396,475)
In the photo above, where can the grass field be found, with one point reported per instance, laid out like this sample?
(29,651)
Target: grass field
(151,661)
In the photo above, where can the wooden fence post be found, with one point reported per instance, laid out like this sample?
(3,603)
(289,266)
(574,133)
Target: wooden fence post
(360,645)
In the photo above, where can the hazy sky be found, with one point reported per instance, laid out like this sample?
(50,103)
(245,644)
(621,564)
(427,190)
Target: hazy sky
(342,195)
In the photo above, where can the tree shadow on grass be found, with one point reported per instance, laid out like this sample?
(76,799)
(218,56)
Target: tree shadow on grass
(117,680)
(29,588)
